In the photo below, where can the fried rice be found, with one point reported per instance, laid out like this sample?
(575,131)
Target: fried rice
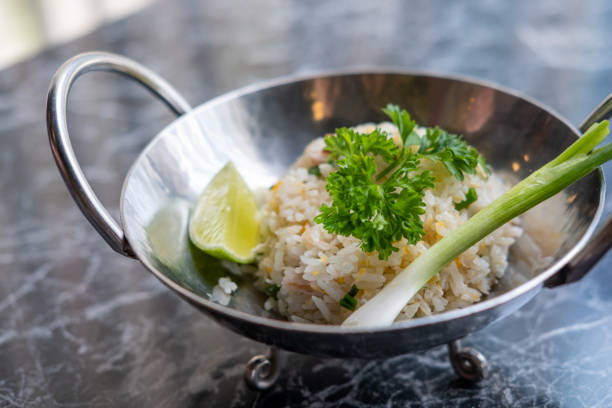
(314,269)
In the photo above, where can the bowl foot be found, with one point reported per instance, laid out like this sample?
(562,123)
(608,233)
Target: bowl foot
(262,371)
(469,364)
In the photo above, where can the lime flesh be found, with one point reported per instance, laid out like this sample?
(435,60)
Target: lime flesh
(224,220)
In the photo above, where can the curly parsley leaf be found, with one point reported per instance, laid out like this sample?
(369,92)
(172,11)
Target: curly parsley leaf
(405,124)
(438,145)
(457,156)
(376,213)
(346,143)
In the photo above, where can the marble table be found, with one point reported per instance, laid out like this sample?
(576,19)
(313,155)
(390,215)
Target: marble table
(81,326)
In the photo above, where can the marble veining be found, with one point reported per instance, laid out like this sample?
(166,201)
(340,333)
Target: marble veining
(81,326)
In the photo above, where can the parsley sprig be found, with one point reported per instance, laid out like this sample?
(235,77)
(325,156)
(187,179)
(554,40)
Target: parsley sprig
(380,206)
(376,213)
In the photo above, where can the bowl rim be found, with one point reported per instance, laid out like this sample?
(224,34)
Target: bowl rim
(315,328)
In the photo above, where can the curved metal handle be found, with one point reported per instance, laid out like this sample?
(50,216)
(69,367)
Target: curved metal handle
(601,112)
(601,242)
(61,147)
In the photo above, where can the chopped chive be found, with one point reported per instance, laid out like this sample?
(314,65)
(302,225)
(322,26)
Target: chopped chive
(315,171)
(272,290)
(470,197)
(348,301)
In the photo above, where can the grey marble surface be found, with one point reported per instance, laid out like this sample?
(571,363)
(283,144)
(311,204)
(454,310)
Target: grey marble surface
(82,326)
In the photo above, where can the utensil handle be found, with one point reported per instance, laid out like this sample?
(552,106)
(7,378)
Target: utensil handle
(59,139)
(601,242)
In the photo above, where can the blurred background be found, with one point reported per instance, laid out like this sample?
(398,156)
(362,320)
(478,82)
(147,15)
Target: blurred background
(27,26)
(565,36)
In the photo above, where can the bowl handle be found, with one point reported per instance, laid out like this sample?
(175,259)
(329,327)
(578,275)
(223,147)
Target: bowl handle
(603,111)
(601,242)
(61,147)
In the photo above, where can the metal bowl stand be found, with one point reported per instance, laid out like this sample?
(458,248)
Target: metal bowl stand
(262,371)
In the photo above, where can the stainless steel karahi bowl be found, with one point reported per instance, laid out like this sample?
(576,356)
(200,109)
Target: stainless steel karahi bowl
(263,129)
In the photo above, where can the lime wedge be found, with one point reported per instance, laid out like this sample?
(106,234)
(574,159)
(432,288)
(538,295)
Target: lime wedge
(223,222)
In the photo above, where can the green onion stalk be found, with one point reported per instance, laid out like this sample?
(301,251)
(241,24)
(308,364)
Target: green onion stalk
(574,163)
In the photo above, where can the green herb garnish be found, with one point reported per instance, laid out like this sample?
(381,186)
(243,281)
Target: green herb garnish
(451,150)
(348,301)
(272,290)
(574,163)
(376,213)
(470,197)
(382,206)
(315,171)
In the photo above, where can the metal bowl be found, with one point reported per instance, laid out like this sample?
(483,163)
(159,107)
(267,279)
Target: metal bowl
(263,129)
